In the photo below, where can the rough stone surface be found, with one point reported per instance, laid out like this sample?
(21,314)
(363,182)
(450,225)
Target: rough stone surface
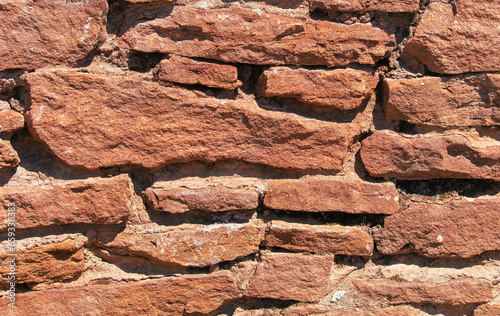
(390,155)
(91,201)
(48,263)
(459,228)
(49,32)
(297,277)
(241,35)
(367,5)
(455,292)
(457,101)
(166,296)
(208,199)
(350,241)
(8,156)
(187,71)
(190,245)
(114,120)
(11,121)
(458,38)
(332,195)
(487,310)
(343,89)
(322,310)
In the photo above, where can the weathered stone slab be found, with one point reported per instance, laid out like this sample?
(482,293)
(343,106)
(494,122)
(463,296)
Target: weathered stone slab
(459,38)
(11,121)
(368,5)
(49,32)
(350,241)
(241,35)
(91,201)
(343,89)
(332,195)
(390,155)
(8,156)
(457,101)
(190,245)
(459,228)
(297,277)
(95,121)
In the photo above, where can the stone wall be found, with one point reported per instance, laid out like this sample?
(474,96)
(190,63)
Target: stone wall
(222,157)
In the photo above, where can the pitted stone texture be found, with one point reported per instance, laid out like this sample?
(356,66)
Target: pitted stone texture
(487,310)
(457,101)
(241,35)
(190,245)
(187,71)
(343,89)
(95,121)
(350,241)
(322,310)
(11,121)
(8,156)
(91,201)
(332,195)
(202,293)
(390,155)
(209,199)
(297,277)
(368,5)
(459,38)
(459,228)
(42,33)
(44,264)
(455,292)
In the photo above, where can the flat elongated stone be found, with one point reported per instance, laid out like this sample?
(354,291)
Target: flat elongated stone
(368,5)
(8,156)
(44,264)
(202,293)
(487,310)
(457,101)
(388,155)
(456,292)
(343,89)
(459,228)
(11,121)
(91,201)
(241,35)
(49,32)
(187,71)
(208,199)
(460,39)
(350,241)
(322,310)
(297,277)
(94,121)
(191,245)
(332,195)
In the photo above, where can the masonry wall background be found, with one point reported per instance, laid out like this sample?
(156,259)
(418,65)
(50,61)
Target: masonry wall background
(322,157)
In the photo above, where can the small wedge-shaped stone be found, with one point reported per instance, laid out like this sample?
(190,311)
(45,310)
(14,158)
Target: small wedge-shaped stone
(188,294)
(91,201)
(241,35)
(459,228)
(350,241)
(44,264)
(458,38)
(95,121)
(11,121)
(343,89)
(187,71)
(455,292)
(49,32)
(332,195)
(8,156)
(390,155)
(289,276)
(457,101)
(368,5)
(208,199)
(191,245)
